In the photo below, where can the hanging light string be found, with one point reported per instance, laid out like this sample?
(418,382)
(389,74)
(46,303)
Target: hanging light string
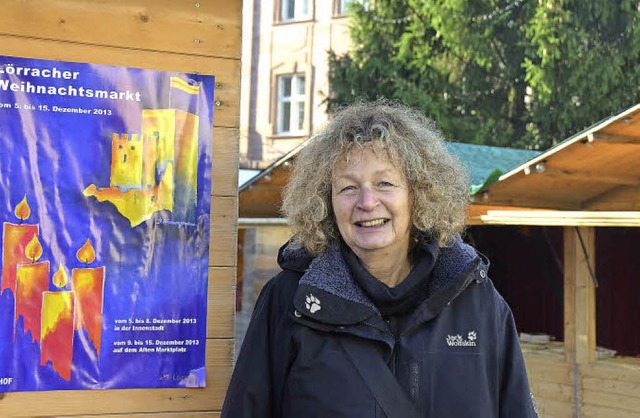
(489,16)
(396,21)
(497,12)
(619,39)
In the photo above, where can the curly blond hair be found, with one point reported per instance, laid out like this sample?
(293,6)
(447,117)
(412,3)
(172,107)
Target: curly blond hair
(438,182)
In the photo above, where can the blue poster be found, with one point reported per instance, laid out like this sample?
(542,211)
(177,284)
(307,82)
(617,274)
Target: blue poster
(105,184)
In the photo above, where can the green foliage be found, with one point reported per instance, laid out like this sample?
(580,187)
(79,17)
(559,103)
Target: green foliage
(519,73)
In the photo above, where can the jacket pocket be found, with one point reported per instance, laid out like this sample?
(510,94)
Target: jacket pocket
(458,384)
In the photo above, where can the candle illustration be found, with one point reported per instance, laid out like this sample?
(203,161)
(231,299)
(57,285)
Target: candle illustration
(15,238)
(57,327)
(88,287)
(31,280)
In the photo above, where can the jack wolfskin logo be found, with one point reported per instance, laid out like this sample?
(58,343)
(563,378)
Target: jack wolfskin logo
(312,303)
(533,404)
(458,341)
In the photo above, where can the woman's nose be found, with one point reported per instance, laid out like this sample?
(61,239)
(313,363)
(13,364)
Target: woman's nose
(368,199)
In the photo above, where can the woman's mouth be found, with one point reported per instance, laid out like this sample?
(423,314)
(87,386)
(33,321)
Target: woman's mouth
(372,223)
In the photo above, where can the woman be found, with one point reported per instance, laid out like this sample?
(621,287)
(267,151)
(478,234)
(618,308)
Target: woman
(380,309)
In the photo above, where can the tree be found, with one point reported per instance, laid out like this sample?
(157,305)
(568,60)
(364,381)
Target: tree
(523,74)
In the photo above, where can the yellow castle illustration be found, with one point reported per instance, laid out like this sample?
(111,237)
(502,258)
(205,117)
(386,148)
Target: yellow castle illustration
(156,169)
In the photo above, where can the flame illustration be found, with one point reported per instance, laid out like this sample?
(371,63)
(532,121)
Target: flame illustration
(60,278)
(33,251)
(86,254)
(22,209)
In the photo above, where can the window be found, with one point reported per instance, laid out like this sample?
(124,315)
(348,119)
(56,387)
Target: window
(342,6)
(291,101)
(294,10)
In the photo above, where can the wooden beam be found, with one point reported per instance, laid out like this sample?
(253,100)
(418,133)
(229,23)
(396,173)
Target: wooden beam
(613,139)
(592,176)
(559,218)
(570,261)
(515,201)
(597,200)
(128,402)
(580,284)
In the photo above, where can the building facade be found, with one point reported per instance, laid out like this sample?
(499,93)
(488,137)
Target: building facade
(285,73)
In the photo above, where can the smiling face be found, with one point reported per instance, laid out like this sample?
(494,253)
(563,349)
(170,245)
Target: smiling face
(371,204)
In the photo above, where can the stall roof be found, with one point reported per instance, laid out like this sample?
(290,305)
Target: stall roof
(597,169)
(487,163)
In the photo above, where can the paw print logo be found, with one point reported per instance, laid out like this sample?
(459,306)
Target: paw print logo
(312,303)
(472,336)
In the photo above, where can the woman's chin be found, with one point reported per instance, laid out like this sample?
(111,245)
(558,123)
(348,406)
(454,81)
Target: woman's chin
(371,245)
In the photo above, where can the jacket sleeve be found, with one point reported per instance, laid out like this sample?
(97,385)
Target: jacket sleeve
(258,375)
(516,399)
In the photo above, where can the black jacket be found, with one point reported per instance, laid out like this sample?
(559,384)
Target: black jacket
(456,355)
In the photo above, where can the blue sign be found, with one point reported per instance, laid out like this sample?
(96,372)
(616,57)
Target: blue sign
(105,181)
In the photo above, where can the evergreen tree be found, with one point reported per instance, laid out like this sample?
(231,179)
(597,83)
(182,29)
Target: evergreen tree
(519,73)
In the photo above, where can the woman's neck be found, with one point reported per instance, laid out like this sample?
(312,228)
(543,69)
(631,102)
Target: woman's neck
(386,267)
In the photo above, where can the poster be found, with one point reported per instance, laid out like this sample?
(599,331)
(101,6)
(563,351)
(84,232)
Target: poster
(105,180)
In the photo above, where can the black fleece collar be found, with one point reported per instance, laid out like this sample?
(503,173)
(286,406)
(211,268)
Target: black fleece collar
(327,292)
(407,294)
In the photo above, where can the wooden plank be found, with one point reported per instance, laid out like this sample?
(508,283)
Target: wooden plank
(555,391)
(618,371)
(130,401)
(221,302)
(549,371)
(223,243)
(616,198)
(585,296)
(208,28)
(570,261)
(227,71)
(612,386)
(596,411)
(615,402)
(224,179)
(549,408)
(579,294)
(614,139)
(592,176)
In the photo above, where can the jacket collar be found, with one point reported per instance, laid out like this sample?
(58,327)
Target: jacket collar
(327,293)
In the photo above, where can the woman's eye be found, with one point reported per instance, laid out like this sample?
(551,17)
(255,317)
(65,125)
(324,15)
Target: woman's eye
(347,189)
(385,184)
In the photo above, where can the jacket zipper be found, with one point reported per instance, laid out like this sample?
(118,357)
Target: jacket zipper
(395,353)
(395,359)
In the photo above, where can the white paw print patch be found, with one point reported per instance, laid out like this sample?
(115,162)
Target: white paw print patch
(472,336)
(312,303)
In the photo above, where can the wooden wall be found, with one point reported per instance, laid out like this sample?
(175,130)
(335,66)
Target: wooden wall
(168,35)
(568,379)
(610,389)
(600,389)
(551,379)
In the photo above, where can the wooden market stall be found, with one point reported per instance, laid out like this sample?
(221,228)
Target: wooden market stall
(589,187)
(181,36)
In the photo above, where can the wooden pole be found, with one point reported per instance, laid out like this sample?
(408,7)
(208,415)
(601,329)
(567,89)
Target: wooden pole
(579,303)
